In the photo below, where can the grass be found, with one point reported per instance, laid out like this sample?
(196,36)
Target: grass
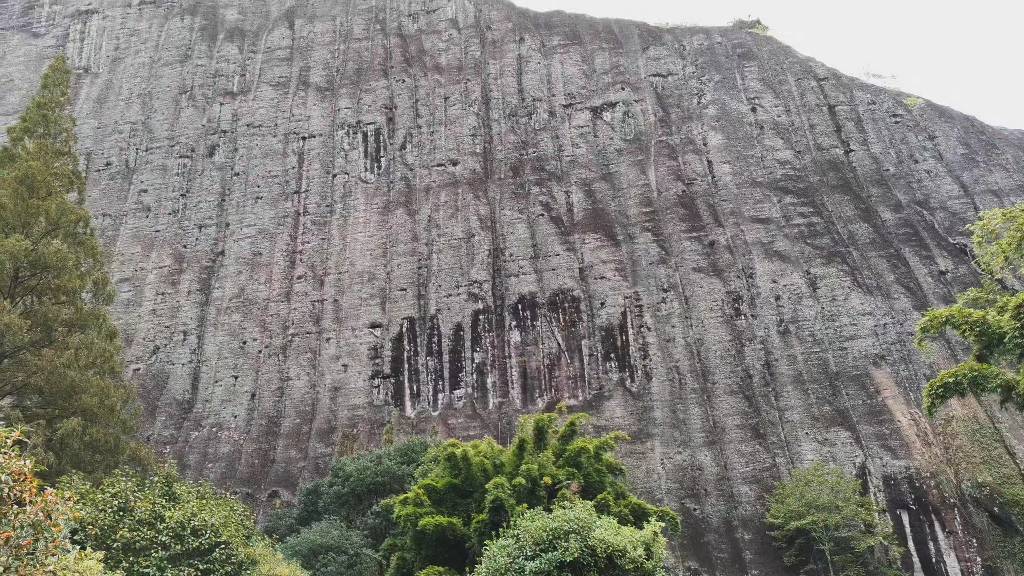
(914,102)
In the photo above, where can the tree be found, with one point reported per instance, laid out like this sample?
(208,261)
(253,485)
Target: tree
(467,491)
(338,526)
(573,539)
(330,548)
(989,318)
(60,356)
(356,486)
(824,525)
(169,526)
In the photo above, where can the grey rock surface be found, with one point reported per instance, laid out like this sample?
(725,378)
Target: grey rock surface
(326,215)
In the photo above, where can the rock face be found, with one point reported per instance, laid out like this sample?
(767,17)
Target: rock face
(325,215)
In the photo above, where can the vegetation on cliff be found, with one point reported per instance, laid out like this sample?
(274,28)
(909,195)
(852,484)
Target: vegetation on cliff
(989,318)
(827,527)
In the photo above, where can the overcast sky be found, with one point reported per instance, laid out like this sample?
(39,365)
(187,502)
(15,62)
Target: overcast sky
(968,54)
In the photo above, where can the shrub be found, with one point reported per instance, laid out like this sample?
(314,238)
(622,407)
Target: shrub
(82,563)
(169,526)
(573,539)
(754,25)
(34,522)
(270,562)
(436,571)
(355,487)
(330,548)
(913,102)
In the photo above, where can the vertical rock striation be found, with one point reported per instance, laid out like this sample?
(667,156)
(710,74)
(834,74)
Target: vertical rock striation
(325,215)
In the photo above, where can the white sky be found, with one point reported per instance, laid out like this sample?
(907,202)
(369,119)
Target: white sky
(967,54)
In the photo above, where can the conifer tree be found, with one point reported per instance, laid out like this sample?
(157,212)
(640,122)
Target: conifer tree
(60,355)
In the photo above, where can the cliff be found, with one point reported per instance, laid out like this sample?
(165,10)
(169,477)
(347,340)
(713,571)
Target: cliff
(323,216)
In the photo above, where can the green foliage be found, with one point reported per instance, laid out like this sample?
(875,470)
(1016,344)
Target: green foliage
(166,525)
(83,563)
(989,318)
(754,25)
(330,548)
(972,377)
(338,525)
(436,571)
(60,356)
(913,102)
(987,486)
(467,491)
(270,562)
(357,484)
(573,539)
(826,527)
(998,240)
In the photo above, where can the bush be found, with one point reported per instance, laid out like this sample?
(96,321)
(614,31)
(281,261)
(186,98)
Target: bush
(573,539)
(168,526)
(436,571)
(270,562)
(330,548)
(914,102)
(754,25)
(826,527)
(355,487)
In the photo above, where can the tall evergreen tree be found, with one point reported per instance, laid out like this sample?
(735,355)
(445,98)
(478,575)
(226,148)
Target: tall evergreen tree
(60,356)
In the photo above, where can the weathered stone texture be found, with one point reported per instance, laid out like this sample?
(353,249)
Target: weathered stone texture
(324,214)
